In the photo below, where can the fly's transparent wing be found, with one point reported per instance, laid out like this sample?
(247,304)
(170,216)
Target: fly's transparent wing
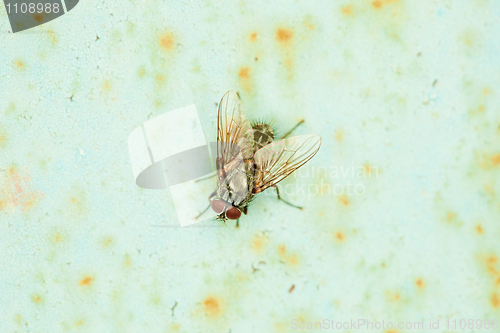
(279,159)
(234,132)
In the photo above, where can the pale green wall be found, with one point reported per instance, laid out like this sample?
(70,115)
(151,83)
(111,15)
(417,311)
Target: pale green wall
(410,88)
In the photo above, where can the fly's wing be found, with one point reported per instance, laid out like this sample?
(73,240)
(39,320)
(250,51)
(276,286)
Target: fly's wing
(234,132)
(279,159)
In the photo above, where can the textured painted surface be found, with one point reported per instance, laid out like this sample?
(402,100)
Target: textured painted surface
(407,91)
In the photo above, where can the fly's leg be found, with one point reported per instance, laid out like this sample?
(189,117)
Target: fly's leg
(209,204)
(237,223)
(294,127)
(280,198)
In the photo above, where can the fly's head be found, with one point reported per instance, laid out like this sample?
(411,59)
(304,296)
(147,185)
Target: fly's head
(225,210)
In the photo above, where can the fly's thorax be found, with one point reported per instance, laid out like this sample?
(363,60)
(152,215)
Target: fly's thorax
(262,135)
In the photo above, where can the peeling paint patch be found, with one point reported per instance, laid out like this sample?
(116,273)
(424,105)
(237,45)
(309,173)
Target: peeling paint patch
(16,189)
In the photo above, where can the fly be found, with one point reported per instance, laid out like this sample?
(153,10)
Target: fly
(249,159)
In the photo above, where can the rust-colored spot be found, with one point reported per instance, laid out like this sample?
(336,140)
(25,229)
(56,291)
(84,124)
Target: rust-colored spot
(37,299)
(3,138)
(258,243)
(57,238)
(107,241)
(244,72)
(377,4)
(495,159)
(19,64)
(167,41)
(281,250)
(397,297)
(495,301)
(291,288)
(246,82)
(284,35)
(339,135)
(339,236)
(450,216)
(38,18)
(347,10)
(212,307)
(479,229)
(86,281)
(491,263)
(419,283)
(253,37)
(160,78)
(344,200)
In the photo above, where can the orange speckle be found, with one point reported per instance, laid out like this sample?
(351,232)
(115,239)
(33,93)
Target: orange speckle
(246,82)
(160,78)
(420,283)
(495,159)
(450,216)
(38,18)
(495,301)
(258,243)
(86,281)
(107,241)
(347,10)
(167,41)
(339,236)
(294,260)
(244,72)
(497,282)
(491,263)
(377,4)
(3,138)
(57,238)
(281,250)
(479,229)
(19,64)
(481,108)
(253,37)
(339,135)
(344,200)
(284,35)
(291,288)
(107,85)
(212,307)
(397,297)
(37,299)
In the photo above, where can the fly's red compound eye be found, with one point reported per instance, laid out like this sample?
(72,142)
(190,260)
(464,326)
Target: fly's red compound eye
(233,213)
(218,206)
